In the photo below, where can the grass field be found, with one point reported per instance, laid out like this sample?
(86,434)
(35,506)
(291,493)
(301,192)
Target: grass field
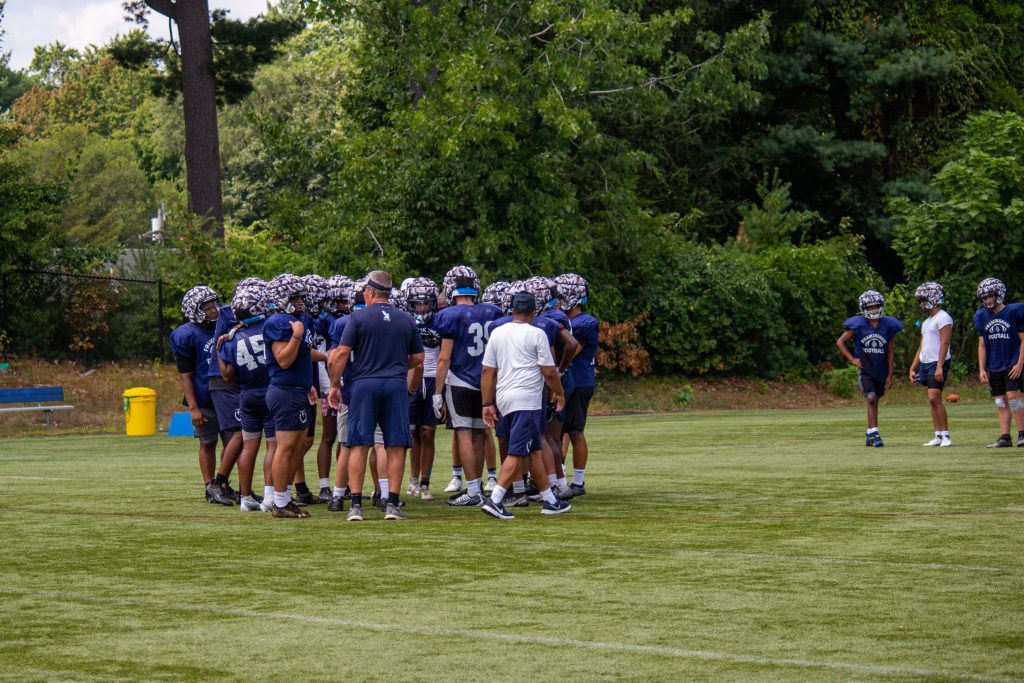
(711,546)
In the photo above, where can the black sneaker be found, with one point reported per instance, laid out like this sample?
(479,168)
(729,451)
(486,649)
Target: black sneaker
(531,488)
(206,492)
(1003,441)
(348,494)
(295,508)
(466,500)
(257,497)
(233,494)
(216,494)
(573,491)
(517,501)
(337,504)
(305,498)
(326,496)
(878,441)
(1020,439)
(287,512)
(376,501)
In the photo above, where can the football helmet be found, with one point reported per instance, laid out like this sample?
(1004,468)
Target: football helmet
(991,286)
(871,299)
(193,301)
(929,295)
(316,290)
(338,295)
(573,290)
(495,293)
(250,299)
(543,291)
(397,299)
(461,281)
(282,290)
(514,287)
(421,290)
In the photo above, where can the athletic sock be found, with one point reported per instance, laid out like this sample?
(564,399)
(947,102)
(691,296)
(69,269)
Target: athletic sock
(385,489)
(457,472)
(498,494)
(393,499)
(325,482)
(220,480)
(357,499)
(577,476)
(552,480)
(562,484)
(339,492)
(873,430)
(548,496)
(301,487)
(473,485)
(946,434)
(282,498)
(268,492)
(289,489)
(492,473)
(425,481)
(519,487)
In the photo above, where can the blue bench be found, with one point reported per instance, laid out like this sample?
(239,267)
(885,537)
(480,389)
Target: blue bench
(37,395)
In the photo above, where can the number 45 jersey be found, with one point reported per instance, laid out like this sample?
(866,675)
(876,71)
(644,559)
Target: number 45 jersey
(246,351)
(469,326)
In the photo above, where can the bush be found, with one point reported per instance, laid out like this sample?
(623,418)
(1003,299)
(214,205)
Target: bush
(841,382)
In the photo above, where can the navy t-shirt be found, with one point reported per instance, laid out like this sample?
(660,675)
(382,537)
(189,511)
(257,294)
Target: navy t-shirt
(299,375)
(469,326)
(382,338)
(322,327)
(225,321)
(192,345)
(585,331)
(871,344)
(247,351)
(334,334)
(1000,334)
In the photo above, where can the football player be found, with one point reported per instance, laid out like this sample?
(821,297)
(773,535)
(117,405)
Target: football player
(463,327)
(225,397)
(316,288)
(1000,329)
(421,295)
(872,332)
(930,366)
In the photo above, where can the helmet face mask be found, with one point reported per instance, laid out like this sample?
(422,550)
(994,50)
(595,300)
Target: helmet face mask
(199,305)
(285,294)
(421,298)
(338,295)
(871,304)
(992,292)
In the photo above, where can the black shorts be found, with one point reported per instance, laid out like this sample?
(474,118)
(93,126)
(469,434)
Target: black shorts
(576,409)
(869,385)
(926,375)
(465,406)
(999,383)
(311,427)
(421,406)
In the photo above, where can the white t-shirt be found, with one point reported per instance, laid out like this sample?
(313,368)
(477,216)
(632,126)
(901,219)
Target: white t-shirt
(518,350)
(930,336)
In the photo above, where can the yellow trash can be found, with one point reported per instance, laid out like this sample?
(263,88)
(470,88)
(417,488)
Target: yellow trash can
(139,411)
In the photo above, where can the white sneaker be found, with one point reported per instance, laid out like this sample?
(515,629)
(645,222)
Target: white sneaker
(268,504)
(249,504)
(937,441)
(413,489)
(425,493)
(491,483)
(454,485)
(946,441)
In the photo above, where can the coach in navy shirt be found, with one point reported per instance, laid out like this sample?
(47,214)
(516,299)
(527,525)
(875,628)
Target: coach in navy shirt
(384,345)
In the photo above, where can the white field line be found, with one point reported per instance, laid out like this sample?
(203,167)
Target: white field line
(550,641)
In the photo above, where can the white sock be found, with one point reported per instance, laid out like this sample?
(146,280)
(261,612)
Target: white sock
(552,479)
(384,488)
(577,475)
(562,484)
(339,491)
(457,473)
(325,482)
(519,487)
(498,495)
(268,492)
(938,433)
(548,496)
(473,486)
(946,434)
(282,498)
(873,430)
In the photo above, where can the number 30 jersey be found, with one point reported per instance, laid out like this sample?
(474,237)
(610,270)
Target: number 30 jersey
(248,353)
(469,326)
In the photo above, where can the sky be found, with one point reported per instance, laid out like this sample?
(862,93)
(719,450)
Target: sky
(77,23)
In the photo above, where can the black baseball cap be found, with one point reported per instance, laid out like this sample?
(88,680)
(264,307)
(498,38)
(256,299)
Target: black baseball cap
(523,302)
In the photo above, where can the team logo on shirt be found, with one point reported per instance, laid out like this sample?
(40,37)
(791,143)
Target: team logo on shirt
(387,316)
(998,329)
(238,414)
(302,416)
(208,351)
(873,343)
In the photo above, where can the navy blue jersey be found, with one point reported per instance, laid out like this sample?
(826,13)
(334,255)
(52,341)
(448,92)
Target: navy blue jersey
(192,346)
(322,328)
(225,321)
(299,375)
(871,343)
(1000,334)
(585,331)
(382,338)
(559,316)
(247,351)
(334,334)
(469,326)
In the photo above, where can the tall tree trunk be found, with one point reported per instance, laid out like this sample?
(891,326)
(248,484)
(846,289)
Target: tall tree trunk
(199,93)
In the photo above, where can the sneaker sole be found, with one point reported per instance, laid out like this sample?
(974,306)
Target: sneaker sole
(353,519)
(556,512)
(494,513)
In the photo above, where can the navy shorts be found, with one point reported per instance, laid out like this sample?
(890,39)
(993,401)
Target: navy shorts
(226,404)
(576,409)
(524,429)
(926,375)
(499,427)
(421,405)
(869,385)
(290,409)
(255,415)
(568,386)
(383,402)
(999,382)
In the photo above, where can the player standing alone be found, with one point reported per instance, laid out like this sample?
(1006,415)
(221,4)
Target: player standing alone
(932,360)
(1001,356)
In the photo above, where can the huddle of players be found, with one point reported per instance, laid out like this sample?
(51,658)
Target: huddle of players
(1000,329)
(256,368)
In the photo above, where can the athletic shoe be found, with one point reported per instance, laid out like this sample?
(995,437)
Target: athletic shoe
(306,498)
(517,501)
(557,490)
(556,508)
(337,504)
(531,488)
(454,486)
(295,508)
(572,492)
(869,440)
(393,512)
(326,495)
(257,497)
(1020,439)
(878,441)
(206,492)
(466,500)
(267,504)
(233,494)
(946,442)
(287,512)
(413,489)
(535,498)
(216,494)
(496,510)
(249,504)
(425,493)
(355,514)
(489,487)
(1003,441)
(937,441)
(377,502)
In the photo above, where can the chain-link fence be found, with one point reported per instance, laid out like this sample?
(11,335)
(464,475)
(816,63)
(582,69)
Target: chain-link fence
(89,318)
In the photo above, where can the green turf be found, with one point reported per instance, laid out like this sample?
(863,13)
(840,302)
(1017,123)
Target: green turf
(711,546)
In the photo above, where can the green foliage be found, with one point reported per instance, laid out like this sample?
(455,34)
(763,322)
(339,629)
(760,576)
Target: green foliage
(28,210)
(775,222)
(841,382)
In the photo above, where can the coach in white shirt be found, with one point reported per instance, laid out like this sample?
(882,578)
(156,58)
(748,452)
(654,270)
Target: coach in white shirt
(516,364)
